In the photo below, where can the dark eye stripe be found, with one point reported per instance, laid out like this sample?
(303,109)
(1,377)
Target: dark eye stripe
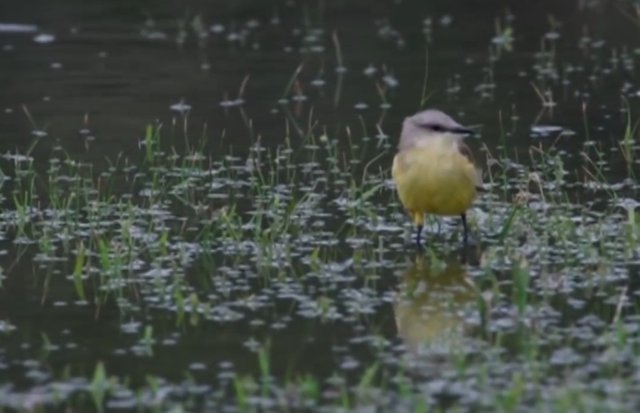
(434,127)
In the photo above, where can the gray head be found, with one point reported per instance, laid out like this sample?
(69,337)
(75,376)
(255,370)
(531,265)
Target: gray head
(428,124)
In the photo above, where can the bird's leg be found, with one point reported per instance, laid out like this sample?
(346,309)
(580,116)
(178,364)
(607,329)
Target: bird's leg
(465,236)
(418,220)
(418,234)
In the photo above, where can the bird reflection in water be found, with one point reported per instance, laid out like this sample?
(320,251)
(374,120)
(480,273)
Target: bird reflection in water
(433,307)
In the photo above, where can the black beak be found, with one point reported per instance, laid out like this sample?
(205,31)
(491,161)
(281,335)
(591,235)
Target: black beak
(461,130)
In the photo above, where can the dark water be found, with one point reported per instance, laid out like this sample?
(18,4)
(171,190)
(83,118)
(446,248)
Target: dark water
(112,67)
(101,65)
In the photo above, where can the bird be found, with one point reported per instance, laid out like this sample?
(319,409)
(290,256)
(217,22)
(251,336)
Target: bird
(434,171)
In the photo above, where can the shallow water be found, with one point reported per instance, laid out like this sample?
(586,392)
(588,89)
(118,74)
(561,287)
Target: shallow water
(252,255)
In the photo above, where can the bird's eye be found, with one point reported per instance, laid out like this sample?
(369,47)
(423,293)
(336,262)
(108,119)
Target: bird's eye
(433,127)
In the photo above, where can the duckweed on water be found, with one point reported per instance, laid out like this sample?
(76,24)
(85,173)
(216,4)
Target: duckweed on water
(236,241)
(282,277)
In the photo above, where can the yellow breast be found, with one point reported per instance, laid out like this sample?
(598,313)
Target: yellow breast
(434,178)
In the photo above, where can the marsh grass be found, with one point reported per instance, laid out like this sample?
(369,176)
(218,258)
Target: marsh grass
(131,243)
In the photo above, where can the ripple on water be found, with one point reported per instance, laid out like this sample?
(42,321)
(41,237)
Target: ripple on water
(17,28)
(44,38)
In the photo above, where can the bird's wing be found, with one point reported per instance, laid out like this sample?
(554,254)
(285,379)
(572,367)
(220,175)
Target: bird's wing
(466,152)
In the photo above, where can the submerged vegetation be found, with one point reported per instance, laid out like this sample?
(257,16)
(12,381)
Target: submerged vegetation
(197,274)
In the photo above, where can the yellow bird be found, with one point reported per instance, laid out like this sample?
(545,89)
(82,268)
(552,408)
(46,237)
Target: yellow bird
(434,171)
